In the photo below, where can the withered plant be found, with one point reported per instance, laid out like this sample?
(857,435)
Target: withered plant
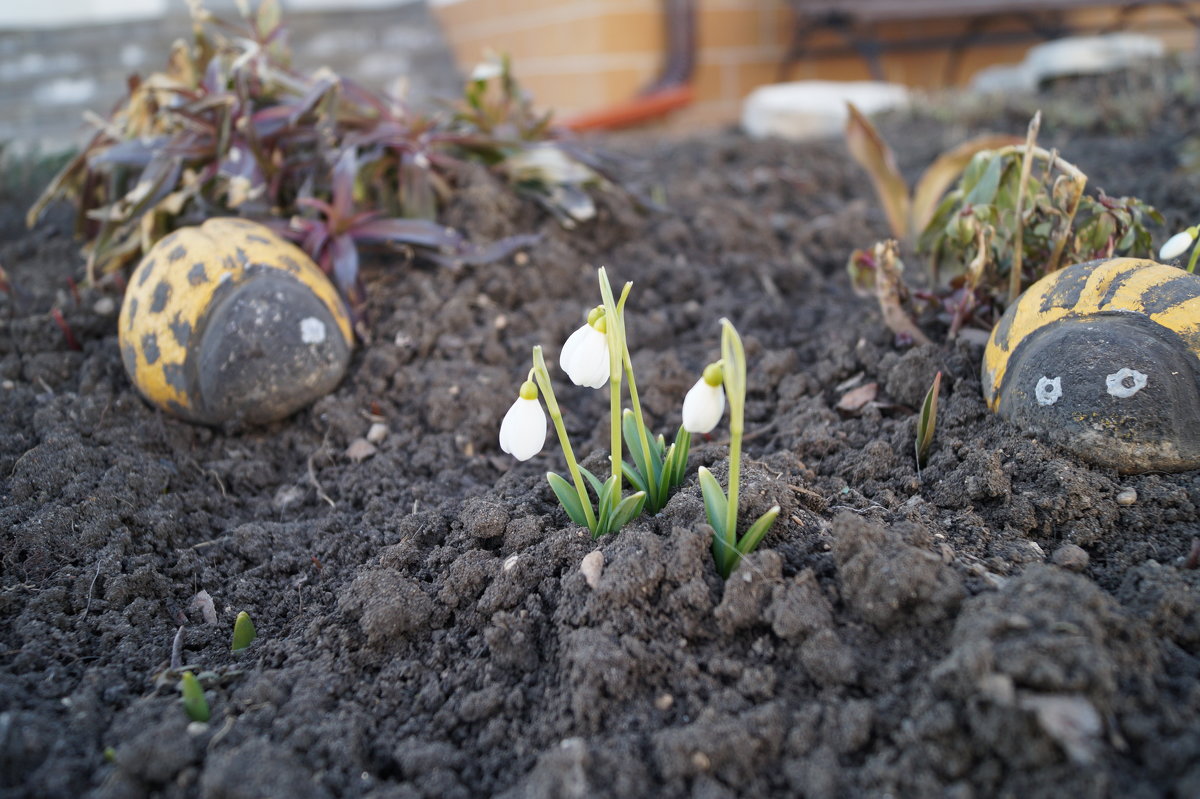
(1017,212)
(231,127)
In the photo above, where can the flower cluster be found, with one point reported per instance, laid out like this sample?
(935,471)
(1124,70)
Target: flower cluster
(598,353)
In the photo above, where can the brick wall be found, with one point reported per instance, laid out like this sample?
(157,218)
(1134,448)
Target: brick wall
(49,77)
(583,55)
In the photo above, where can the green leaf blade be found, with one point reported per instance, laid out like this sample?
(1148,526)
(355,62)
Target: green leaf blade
(568,498)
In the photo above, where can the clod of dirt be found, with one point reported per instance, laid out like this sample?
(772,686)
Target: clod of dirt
(255,769)
(798,607)
(748,591)
(887,580)
(484,518)
(388,605)
(909,379)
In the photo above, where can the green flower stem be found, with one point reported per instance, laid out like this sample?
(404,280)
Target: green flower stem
(1191,267)
(734,357)
(542,375)
(615,330)
(643,436)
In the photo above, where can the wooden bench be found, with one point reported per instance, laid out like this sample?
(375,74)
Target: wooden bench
(860,22)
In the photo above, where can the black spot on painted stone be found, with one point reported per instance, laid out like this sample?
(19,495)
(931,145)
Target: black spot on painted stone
(177,254)
(1003,328)
(175,376)
(1113,287)
(1170,293)
(196,275)
(1068,287)
(257,238)
(290,264)
(150,348)
(162,295)
(147,268)
(133,305)
(181,330)
(129,358)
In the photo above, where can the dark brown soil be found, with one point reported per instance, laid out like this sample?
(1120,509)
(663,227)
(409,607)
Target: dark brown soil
(999,625)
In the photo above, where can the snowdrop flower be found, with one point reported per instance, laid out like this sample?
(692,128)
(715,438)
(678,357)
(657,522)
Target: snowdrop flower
(523,431)
(705,402)
(1177,245)
(585,354)
(487,69)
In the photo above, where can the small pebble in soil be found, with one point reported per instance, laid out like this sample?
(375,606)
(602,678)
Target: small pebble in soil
(510,562)
(105,306)
(1071,557)
(701,761)
(359,450)
(592,566)
(664,702)
(1126,496)
(377,433)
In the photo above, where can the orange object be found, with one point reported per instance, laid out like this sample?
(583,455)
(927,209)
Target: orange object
(637,110)
(671,90)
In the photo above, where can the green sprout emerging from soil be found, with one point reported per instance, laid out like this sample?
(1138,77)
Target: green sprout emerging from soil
(595,355)
(194,703)
(927,421)
(243,632)
(1017,213)
(231,128)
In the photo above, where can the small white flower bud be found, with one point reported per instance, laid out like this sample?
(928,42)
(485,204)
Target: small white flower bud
(1177,245)
(523,431)
(703,407)
(585,357)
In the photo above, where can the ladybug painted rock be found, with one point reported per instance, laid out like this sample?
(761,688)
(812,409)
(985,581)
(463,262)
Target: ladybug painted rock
(1103,359)
(227,321)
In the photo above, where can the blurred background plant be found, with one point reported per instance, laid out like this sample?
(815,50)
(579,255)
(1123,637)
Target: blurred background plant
(230,127)
(1017,212)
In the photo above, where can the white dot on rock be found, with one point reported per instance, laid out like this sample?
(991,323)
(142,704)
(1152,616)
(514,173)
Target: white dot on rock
(1048,390)
(312,330)
(1125,382)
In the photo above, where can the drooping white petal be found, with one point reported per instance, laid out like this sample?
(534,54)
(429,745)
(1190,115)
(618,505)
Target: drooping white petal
(523,431)
(1176,246)
(585,357)
(703,406)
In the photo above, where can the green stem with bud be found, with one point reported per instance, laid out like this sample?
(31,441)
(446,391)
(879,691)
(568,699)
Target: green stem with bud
(615,330)
(733,358)
(542,376)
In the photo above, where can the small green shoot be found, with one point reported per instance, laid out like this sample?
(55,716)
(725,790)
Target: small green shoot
(243,632)
(663,470)
(722,509)
(927,421)
(194,703)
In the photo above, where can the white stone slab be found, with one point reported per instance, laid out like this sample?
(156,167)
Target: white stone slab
(814,108)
